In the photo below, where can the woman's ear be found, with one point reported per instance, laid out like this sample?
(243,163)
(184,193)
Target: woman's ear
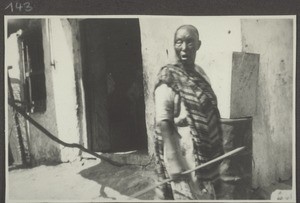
(198,44)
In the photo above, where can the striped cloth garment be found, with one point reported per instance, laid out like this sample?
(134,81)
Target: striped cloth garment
(203,118)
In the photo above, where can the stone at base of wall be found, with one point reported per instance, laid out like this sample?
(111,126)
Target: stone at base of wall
(69,154)
(282,195)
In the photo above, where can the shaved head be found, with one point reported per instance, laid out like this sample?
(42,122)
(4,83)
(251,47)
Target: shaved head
(186,44)
(191,28)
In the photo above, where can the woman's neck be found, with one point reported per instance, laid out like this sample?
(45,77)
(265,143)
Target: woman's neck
(187,67)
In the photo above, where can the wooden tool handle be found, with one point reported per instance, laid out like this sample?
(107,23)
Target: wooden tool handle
(226,155)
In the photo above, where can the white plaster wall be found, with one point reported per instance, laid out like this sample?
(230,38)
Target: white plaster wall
(60,118)
(12,55)
(81,116)
(64,86)
(273,122)
(41,147)
(220,36)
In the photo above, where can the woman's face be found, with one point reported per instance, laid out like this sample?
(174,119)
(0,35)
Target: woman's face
(186,44)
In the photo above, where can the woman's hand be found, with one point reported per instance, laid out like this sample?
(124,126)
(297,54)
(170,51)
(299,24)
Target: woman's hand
(177,177)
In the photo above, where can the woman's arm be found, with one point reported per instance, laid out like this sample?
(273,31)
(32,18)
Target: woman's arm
(171,148)
(164,113)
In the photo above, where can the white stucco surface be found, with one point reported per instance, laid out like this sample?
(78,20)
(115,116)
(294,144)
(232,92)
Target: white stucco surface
(42,148)
(64,86)
(273,122)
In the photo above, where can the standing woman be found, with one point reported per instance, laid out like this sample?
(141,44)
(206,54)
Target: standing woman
(188,128)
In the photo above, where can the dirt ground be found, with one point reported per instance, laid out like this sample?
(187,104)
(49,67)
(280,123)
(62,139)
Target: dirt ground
(85,180)
(91,180)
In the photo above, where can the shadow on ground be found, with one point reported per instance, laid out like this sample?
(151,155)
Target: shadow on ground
(32,165)
(126,180)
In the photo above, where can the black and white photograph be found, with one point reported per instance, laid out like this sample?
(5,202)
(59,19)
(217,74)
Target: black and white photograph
(150,108)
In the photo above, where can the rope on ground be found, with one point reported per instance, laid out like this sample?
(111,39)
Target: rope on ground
(54,138)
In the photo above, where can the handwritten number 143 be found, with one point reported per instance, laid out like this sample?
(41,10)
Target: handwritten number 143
(19,7)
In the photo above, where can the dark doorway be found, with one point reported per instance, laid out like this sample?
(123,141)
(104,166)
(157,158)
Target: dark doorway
(113,83)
